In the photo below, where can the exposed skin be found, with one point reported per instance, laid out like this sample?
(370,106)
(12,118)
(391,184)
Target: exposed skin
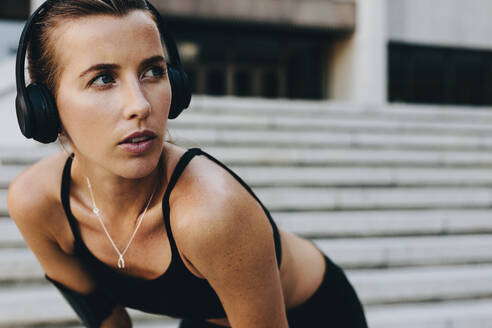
(96,117)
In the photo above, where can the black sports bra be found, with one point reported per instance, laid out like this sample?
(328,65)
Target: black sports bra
(177,292)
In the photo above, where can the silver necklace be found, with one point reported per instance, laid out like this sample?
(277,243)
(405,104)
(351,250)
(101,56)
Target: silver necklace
(97,212)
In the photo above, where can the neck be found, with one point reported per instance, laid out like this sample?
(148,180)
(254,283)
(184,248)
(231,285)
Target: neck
(117,197)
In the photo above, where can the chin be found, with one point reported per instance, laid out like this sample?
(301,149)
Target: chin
(138,167)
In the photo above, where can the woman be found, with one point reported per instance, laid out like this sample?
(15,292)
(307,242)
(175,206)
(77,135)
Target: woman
(143,223)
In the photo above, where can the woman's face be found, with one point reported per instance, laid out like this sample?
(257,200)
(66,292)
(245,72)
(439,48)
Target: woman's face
(113,92)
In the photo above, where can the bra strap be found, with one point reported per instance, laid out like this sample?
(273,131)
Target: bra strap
(65,198)
(185,159)
(178,170)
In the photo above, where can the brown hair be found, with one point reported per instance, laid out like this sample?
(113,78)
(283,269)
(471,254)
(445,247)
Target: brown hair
(42,64)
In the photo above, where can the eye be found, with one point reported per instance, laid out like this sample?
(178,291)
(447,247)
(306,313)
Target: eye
(102,80)
(155,72)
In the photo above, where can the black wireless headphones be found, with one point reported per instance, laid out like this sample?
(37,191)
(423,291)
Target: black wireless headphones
(37,113)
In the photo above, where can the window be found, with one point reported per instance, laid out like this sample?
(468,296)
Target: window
(439,75)
(216,82)
(243,83)
(252,59)
(14,9)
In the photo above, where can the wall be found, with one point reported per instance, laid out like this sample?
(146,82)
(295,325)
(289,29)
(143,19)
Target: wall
(332,14)
(35,4)
(357,64)
(441,22)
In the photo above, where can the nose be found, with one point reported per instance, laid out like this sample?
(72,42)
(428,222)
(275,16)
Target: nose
(136,104)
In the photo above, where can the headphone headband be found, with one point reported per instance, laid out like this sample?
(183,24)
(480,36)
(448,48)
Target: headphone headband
(170,44)
(21,51)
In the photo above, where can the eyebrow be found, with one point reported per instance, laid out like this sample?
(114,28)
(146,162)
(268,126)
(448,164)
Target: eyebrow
(103,67)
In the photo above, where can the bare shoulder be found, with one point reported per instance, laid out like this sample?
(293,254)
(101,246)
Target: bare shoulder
(34,194)
(206,191)
(212,211)
(34,203)
(223,231)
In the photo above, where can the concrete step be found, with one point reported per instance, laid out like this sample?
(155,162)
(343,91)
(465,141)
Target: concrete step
(9,234)
(211,137)
(281,176)
(7,72)
(3,203)
(336,224)
(13,156)
(393,112)
(325,123)
(8,173)
(448,314)
(344,224)
(324,140)
(357,177)
(327,199)
(335,157)
(43,305)
(407,251)
(299,156)
(394,119)
(324,199)
(20,265)
(347,157)
(403,285)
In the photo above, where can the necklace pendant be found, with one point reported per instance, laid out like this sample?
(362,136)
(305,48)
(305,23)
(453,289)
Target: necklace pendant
(121,262)
(97,212)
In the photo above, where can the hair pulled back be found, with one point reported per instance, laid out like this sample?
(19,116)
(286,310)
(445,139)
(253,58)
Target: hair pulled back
(42,64)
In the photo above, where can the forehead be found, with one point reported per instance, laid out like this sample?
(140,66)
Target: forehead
(104,38)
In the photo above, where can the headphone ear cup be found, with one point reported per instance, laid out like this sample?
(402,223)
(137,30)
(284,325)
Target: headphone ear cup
(43,114)
(24,118)
(180,89)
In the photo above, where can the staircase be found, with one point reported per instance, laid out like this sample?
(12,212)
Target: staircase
(399,196)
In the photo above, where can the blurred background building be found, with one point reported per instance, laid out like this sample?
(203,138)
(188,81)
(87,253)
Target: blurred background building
(364,125)
(365,51)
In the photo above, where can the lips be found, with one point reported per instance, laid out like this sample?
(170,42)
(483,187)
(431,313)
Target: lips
(138,142)
(139,137)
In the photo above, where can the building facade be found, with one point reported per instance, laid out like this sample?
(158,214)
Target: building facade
(440,51)
(363,51)
(262,48)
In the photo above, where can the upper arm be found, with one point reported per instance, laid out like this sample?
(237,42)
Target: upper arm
(230,241)
(37,216)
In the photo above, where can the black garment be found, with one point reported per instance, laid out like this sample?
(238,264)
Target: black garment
(92,308)
(334,305)
(177,292)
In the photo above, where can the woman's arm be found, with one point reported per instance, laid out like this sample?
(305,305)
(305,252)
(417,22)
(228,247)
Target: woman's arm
(35,213)
(230,241)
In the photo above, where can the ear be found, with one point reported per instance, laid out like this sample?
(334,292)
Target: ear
(64,140)
(63,135)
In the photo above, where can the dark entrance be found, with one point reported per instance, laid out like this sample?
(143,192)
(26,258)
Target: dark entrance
(245,59)
(14,9)
(439,75)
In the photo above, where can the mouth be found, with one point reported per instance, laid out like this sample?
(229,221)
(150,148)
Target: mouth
(139,142)
(138,137)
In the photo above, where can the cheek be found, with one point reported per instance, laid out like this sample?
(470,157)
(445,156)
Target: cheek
(160,100)
(85,117)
